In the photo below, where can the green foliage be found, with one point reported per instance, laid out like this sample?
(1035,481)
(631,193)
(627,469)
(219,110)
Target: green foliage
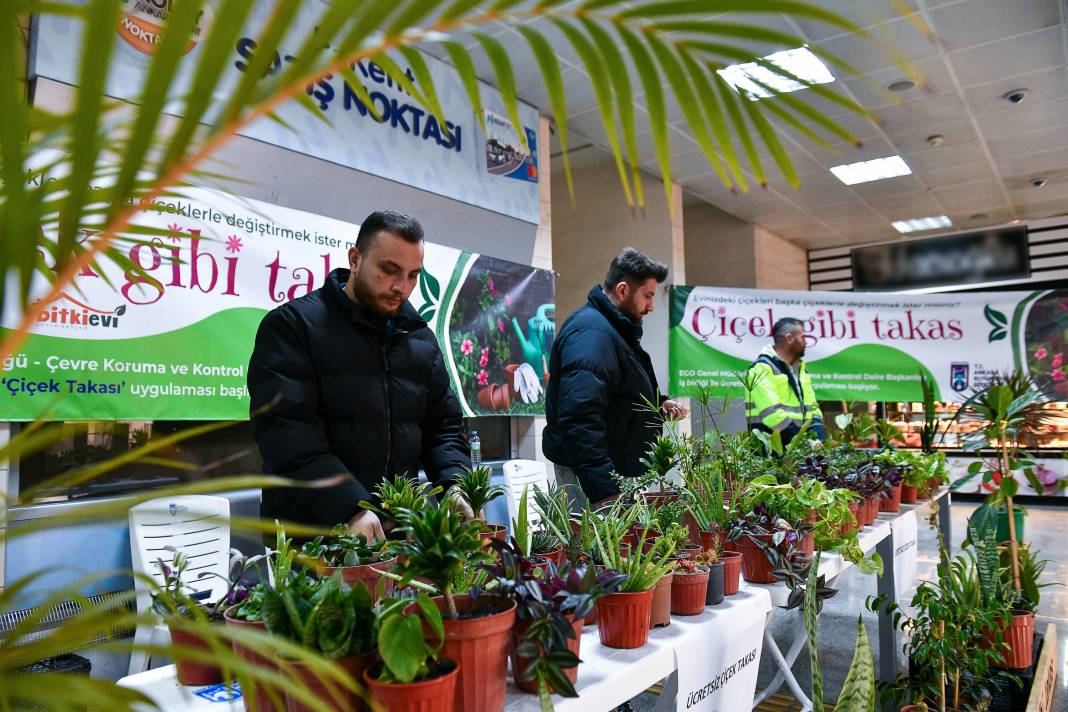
(553,506)
(402,493)
(474,486)
(810,614)
(322,615)
(858,690)
(406,655)
(342,548)
(642,568)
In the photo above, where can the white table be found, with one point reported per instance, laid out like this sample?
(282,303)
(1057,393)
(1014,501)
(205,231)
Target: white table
(607,677)
(876,536)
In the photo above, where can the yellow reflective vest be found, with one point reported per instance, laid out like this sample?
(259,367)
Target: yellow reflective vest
(781,400)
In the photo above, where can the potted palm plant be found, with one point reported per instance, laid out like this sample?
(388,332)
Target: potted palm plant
(439,547)
(413,676)
(474,486)
(399,494)
(352,556)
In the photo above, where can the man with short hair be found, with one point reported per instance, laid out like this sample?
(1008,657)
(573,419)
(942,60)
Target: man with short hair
(782,399)
(349,382)
(602,382)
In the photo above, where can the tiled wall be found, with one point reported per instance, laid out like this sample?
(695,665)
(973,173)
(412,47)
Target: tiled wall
(780,264)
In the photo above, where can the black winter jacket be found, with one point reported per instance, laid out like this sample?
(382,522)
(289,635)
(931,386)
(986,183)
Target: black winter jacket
(600,379)
(338,390)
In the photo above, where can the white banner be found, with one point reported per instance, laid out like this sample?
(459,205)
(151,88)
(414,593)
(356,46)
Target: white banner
(405,143)
(718,670)
(904,535)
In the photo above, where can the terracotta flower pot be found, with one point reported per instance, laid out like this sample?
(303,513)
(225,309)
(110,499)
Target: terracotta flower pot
(908,494)
(434,695)
(520,664)
(661,611)
(1018,636)
(494,397)
(732,571)
(592,618)
(493,531)
(480,646)
(755,565)
(932,485)
(892,503)
(332,696)
(257,697)
(708,539)
(714,593)
(190,671)
(658,498)
(650,542)
(807,545)
(688,592)
(558,556)
(510,369)
(862,514)
(688,551)
(873,510)
(629,539)
(623,619)
(369,574)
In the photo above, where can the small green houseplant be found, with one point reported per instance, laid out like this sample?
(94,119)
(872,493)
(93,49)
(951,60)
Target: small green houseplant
(353,556)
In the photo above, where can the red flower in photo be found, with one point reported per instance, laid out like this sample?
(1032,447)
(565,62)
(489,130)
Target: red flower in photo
(483,377)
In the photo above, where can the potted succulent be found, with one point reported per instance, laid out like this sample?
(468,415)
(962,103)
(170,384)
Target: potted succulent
(689,588)
(668,543)
(352,556)
(551,606)
(439,546)
(402,493)
(537,546)
(553,507)
(413,676)
(624,617)
(474,486)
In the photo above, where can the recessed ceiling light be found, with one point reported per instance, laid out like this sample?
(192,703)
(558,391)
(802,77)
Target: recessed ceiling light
(979,216)
(865,171)
(936,140)
(799,62)
(932,222)
(900,85)
(1038,182)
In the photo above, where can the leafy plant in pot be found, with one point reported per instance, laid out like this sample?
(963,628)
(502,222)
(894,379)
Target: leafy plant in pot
(412,676)
(550,608)
(352,556)
(554,509)
(623,618)
(475,487)
(438,547)
(402,493)
(538,546)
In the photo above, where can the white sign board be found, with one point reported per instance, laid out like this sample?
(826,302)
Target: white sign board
(718,670)
(904,533)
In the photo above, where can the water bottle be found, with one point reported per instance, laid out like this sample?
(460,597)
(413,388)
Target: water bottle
(476,450)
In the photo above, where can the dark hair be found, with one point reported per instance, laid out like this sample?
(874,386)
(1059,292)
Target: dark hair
(634,267)
(783,327)
(403,226)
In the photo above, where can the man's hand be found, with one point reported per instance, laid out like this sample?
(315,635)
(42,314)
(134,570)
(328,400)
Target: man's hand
(457,501)
(606,502)
(674,410)
(368,524)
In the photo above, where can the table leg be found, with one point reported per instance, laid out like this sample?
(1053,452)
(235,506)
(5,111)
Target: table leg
(785,674)
(887,588)
(668,692)
(945,526)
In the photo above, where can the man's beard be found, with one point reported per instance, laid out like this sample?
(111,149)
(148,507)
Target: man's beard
(371,300)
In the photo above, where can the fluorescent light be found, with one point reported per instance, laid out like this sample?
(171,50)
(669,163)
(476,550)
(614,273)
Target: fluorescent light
(932,222)
(799,62)
(880,168)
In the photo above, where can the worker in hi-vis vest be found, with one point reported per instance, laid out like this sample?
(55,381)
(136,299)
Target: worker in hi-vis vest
(782,399)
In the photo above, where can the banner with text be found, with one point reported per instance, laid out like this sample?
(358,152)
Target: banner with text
(873,347)
(396,138)
(173,342)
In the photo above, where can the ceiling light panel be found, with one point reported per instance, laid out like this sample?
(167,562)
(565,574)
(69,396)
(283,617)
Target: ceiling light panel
(867,171)
(931,222)
(755,80)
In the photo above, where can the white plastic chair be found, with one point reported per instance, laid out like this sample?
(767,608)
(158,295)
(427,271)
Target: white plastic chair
(520,474)
(196,525)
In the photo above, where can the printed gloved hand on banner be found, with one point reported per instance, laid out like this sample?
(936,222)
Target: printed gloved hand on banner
(526,383)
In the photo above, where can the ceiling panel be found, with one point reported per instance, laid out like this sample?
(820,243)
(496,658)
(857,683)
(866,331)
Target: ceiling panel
(863,14)
(1050,114)
(1010,56)
(972,23)
(1042,86)
(865,56)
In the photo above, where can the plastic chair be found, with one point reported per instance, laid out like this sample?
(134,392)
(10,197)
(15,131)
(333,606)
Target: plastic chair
(520,474)
(196,525)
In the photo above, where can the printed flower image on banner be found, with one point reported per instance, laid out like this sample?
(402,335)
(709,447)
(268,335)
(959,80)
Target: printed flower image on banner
(1046,343)
(502,330)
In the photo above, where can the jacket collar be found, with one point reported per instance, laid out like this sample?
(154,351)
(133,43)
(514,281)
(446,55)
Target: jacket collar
(629,330)
(770,352)
(407,318)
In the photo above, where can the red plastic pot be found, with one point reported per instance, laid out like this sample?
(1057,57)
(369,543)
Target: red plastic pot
(255,696)
(654,499)
(520,664)
(435,695)
(908,494)
(862,513)
(755,565)
(332,696)
(807,545)
(480,646)
(708,540)
(558,557)
(732,571)
(650,542)
(688,551)
(893,502)
(688,592)
(1019,636)
(932,485)
(660,615)
(873,510)
(495,531)
(623,619)
(369,574)
(194,672)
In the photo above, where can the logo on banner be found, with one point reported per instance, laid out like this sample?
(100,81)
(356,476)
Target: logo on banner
(66,312)
(142,22)
(506,155)
(958,376)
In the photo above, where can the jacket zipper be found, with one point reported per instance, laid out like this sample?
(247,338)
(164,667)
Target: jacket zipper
(389,419)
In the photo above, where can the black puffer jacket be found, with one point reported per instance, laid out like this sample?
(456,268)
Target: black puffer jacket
(343,393)
(601,378)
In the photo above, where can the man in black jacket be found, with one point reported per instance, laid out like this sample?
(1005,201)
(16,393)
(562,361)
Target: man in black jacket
(601,382)
(348,381)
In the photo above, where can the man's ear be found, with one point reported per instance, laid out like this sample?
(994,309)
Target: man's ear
(354,258)
(621,290)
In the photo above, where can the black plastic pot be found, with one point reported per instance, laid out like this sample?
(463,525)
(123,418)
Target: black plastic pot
(715,584)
